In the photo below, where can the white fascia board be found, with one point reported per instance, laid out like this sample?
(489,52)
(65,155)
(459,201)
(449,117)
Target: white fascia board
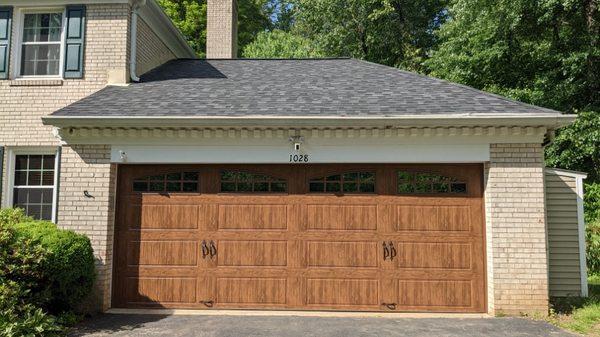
(552,121)
(164,28)
(567,173)
(280,154)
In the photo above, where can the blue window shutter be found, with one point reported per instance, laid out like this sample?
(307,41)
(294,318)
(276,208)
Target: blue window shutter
(5,33)
(74,41)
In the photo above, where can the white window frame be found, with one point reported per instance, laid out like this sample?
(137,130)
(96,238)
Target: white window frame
(12,154)
(19,25)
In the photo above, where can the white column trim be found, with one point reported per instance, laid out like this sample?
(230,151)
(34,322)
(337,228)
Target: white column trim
(581,232)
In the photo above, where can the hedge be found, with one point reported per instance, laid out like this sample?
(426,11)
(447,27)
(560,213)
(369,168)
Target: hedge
(45,273)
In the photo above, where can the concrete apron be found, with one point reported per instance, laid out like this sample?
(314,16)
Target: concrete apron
(292,313)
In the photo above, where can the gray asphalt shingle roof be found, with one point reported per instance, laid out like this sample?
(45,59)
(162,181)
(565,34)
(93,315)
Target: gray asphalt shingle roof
(293,88)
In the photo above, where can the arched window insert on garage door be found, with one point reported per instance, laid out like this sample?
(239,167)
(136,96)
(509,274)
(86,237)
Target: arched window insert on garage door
(184,182)
(246,182)
(352,182)
(429,183)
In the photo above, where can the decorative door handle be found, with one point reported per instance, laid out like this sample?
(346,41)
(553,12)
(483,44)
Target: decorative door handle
(213,249)
(391,306)
(205,250)
(393,252)
(208,303)
(386,251)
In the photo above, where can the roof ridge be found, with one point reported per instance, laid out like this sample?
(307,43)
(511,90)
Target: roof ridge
(266,59)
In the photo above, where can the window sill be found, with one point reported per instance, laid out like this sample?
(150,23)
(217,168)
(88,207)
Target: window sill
(36,83)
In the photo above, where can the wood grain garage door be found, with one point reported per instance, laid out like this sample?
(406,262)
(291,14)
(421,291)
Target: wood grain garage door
(315,237)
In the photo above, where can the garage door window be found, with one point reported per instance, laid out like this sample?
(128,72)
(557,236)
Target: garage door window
(429,183)
(170,182)
(353,182)
(246,182)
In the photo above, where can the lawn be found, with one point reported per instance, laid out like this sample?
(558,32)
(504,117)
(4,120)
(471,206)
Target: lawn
(581,315)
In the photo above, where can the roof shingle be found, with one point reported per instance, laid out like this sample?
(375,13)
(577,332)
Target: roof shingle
(290,88)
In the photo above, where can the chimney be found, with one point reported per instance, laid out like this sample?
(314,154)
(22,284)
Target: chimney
(221,30)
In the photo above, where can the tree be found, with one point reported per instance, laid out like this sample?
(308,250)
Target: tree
(540,52)
(398,33)
(281,44)
(190,17)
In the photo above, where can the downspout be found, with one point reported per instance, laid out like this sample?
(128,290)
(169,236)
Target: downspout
(133,47)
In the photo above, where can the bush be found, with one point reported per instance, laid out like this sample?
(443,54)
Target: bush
(23,286)
(69,266)
(44,271)
(592,202)
(592,235)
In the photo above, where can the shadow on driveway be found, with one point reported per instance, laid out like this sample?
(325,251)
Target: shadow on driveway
(293,326)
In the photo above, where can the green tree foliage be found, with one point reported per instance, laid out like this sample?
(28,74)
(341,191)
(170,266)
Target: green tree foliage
(190,17)
(393,32)
(281,44)
(541,52)
(593,247)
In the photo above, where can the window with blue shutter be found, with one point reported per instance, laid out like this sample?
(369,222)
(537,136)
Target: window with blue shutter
(5,33)
(74,41)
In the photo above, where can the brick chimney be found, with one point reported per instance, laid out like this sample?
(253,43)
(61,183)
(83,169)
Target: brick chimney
(221,30)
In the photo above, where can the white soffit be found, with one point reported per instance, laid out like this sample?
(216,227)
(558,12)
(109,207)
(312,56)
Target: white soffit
(284,154)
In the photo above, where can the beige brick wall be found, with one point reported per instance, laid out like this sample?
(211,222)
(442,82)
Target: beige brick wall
(151,50)
(88,168)
(516,229)
(221,29)
(23,103)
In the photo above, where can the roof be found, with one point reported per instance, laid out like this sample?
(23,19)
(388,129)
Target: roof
(568,173)
(338,88)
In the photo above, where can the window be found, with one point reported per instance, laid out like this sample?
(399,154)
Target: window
(41,44)
(354,182)
(170,182)
(428,183)
(34,185)
(237,181)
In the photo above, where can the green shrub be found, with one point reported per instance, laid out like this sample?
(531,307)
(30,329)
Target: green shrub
(23,285)
(592,235)
(69,265)
(592,202)
(12,216)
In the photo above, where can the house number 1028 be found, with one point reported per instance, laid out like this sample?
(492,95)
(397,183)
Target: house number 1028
(298,158)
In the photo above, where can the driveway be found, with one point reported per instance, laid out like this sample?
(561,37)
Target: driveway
(292,326)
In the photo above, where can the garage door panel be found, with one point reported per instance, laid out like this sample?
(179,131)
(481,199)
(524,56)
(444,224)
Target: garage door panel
(433,218)
(341,254)
(252,253)
(169,217)
(438,255)
(350,292)
(435,293)
(165,253)
(301,249)
(252,217)
(342,217)
(156,290)
(256,291)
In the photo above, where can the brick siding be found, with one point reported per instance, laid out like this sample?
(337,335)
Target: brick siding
(516,229)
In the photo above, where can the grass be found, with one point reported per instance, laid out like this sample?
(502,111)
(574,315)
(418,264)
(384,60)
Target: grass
(581,315)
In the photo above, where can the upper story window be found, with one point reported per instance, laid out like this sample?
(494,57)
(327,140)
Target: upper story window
(41,44)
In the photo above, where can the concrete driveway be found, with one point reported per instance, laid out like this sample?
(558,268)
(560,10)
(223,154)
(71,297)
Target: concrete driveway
(292,326)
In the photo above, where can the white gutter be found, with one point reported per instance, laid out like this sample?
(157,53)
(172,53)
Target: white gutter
(133,47)
(551,121)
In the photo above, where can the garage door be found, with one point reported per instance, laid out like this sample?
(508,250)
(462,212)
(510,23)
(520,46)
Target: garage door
(313,237)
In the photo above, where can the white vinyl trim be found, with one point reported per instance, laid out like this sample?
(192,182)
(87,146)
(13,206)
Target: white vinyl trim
(278,153)
(581,230)
(10,169)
